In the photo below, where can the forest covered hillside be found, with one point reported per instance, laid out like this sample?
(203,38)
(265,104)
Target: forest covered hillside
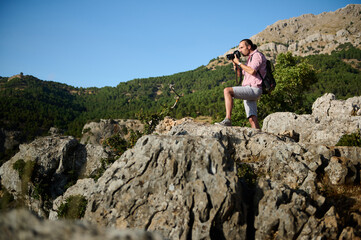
(32,106)
(29,107)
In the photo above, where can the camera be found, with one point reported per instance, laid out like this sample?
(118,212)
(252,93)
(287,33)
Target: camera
(231,56)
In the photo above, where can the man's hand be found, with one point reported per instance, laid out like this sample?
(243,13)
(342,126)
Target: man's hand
(235,60)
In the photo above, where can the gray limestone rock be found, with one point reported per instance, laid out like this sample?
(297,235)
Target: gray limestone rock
(185,182)
(53,158)
(96,132)
(40,171)
(329,121)
(21,224)
(184,187)
(50,164)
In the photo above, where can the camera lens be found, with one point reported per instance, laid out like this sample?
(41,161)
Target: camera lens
(237,53)
(230,56)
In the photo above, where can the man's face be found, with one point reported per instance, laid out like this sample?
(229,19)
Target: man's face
(245,50)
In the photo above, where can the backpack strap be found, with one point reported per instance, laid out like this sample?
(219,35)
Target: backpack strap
(258,70)
(260,75)
(250,60)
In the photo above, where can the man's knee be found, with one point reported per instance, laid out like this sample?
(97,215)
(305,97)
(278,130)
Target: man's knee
(228,91)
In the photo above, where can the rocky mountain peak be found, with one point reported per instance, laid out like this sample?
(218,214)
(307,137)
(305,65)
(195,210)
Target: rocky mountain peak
(311,34)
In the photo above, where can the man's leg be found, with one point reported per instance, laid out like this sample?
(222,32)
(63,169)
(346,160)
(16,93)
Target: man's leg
(250,106)
(254,121)
(228,101)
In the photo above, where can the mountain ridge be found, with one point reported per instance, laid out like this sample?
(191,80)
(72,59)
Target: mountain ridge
(301,36)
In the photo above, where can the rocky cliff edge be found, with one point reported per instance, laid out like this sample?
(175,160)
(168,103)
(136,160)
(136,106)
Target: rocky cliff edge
(202,181)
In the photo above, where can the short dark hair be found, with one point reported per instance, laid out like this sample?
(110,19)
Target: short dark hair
(248,42)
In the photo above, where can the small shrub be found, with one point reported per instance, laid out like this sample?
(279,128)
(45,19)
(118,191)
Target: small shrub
(117,143)
(73,208)
(19,166)
(353,139)
(24,169)
(124,130)
(134,136)
(41,190)
(246,172)
(87,130)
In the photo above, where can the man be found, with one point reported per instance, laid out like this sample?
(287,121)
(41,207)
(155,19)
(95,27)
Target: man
(251,88)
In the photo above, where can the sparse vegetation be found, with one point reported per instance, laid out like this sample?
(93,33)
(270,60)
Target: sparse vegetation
(353,139)
(19,166)
(246,172)
(7,200)
(117,143)
(105,162)
(73,208)
(25,170)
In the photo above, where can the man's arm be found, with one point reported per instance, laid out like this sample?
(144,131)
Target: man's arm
(246,68)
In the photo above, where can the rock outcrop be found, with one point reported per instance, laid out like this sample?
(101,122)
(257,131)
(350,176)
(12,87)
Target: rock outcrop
(329,121)
(184,187)
(203,181)
(46,164)
(42,170)
(21,224)
(186,184)
(301,36)
(96,132)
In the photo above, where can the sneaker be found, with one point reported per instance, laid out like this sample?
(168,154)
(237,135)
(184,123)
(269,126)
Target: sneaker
(226,122)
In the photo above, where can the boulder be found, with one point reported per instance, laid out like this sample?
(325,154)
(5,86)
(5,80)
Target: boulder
(21,224)
(50,165)
(95,154)
(83,187)
(40,170)
(329,121)
(341,171)
(184,187)
(96,132)
(168,123)
(53,157)
(328,106)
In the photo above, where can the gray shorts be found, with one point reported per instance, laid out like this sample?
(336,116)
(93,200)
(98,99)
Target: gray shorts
(250,95)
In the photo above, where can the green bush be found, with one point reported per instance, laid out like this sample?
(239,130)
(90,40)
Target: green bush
(73,208)
(117,143)
(24,169)
(353,139)
(19,166)
(246,172)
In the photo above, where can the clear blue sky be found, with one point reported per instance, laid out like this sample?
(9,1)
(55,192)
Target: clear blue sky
(97,43)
